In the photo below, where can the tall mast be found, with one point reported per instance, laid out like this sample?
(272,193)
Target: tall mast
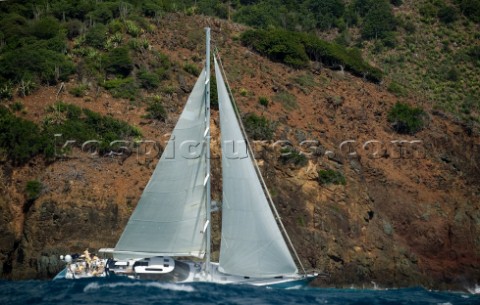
(207,141)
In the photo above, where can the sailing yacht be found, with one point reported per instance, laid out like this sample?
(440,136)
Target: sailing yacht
(167,237)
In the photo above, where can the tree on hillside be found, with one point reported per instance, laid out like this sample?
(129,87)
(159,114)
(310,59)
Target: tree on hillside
(378,21)
(326,12)
(119,62)
(362,7)
(470,8)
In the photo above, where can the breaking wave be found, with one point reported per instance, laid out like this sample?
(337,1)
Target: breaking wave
(474,290)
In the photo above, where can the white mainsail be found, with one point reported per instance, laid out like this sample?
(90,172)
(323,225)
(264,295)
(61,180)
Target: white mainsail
(251,242)
(171,214)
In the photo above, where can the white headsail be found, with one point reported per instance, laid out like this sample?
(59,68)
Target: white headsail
(171,214)
(251,243)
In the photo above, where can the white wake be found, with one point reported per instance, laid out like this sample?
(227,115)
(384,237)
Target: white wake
(474,290)
(164,286)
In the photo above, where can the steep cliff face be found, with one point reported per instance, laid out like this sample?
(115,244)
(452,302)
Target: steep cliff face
(407,214)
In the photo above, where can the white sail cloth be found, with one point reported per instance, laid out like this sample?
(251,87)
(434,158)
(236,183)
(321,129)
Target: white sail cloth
(171,214)
(251,242)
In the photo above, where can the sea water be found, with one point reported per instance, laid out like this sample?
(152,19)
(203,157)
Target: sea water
(125,291)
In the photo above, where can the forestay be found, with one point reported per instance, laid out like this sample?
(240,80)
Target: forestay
(171,214)
(251,242)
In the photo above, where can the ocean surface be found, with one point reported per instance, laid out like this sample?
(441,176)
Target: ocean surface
(125,291)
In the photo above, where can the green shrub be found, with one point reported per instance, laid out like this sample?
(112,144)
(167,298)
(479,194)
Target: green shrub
(429,11)
(148,80)
(156,111)
(409,27)
(447,14)
(259,127)
(305,80)
(213,93)
(406,119)
(152,8)
(33,189)
(96,36)
(470,8)
(470,103)
(288,101)
(26,87)
(19,138)
(396,89)
(473,53)
(213,8)
(74,28)
(330,176)
(83,125)
(396,2)
(6,91)
(17,106)
(35,61)
(69,110)
(113,41)
(278,45)
(326,12)
(350,16)
(14,27)
(45,28)
(122,88)
(296,49)
(79,91)
(378,21)
(290,155)
(161,61)
(259,15)
(132,28)
(191,68)
(452,74)
(119,62)
(389,40)
(171,90)
(263,101)
(116,26)
(108,127)
(102,13)
(363,6)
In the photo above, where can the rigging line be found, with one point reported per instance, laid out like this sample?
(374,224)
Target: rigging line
(207,155)
(259,174)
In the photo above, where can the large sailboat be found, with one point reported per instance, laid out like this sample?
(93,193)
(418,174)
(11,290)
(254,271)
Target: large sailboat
(167,237)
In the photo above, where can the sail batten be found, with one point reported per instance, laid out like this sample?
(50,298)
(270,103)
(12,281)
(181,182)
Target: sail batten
(251,241)
(171,213)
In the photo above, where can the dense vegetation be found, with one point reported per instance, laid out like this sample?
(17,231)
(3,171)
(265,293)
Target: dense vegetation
(259,127)
(297,49)
(406,119)
(104,46)
(33,189)
(289,155)
(33,36)
(430,48)
(329,176)
(156,111)
(21,140)
(82,125)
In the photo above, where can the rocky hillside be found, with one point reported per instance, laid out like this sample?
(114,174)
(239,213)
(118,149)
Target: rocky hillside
(361,202)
